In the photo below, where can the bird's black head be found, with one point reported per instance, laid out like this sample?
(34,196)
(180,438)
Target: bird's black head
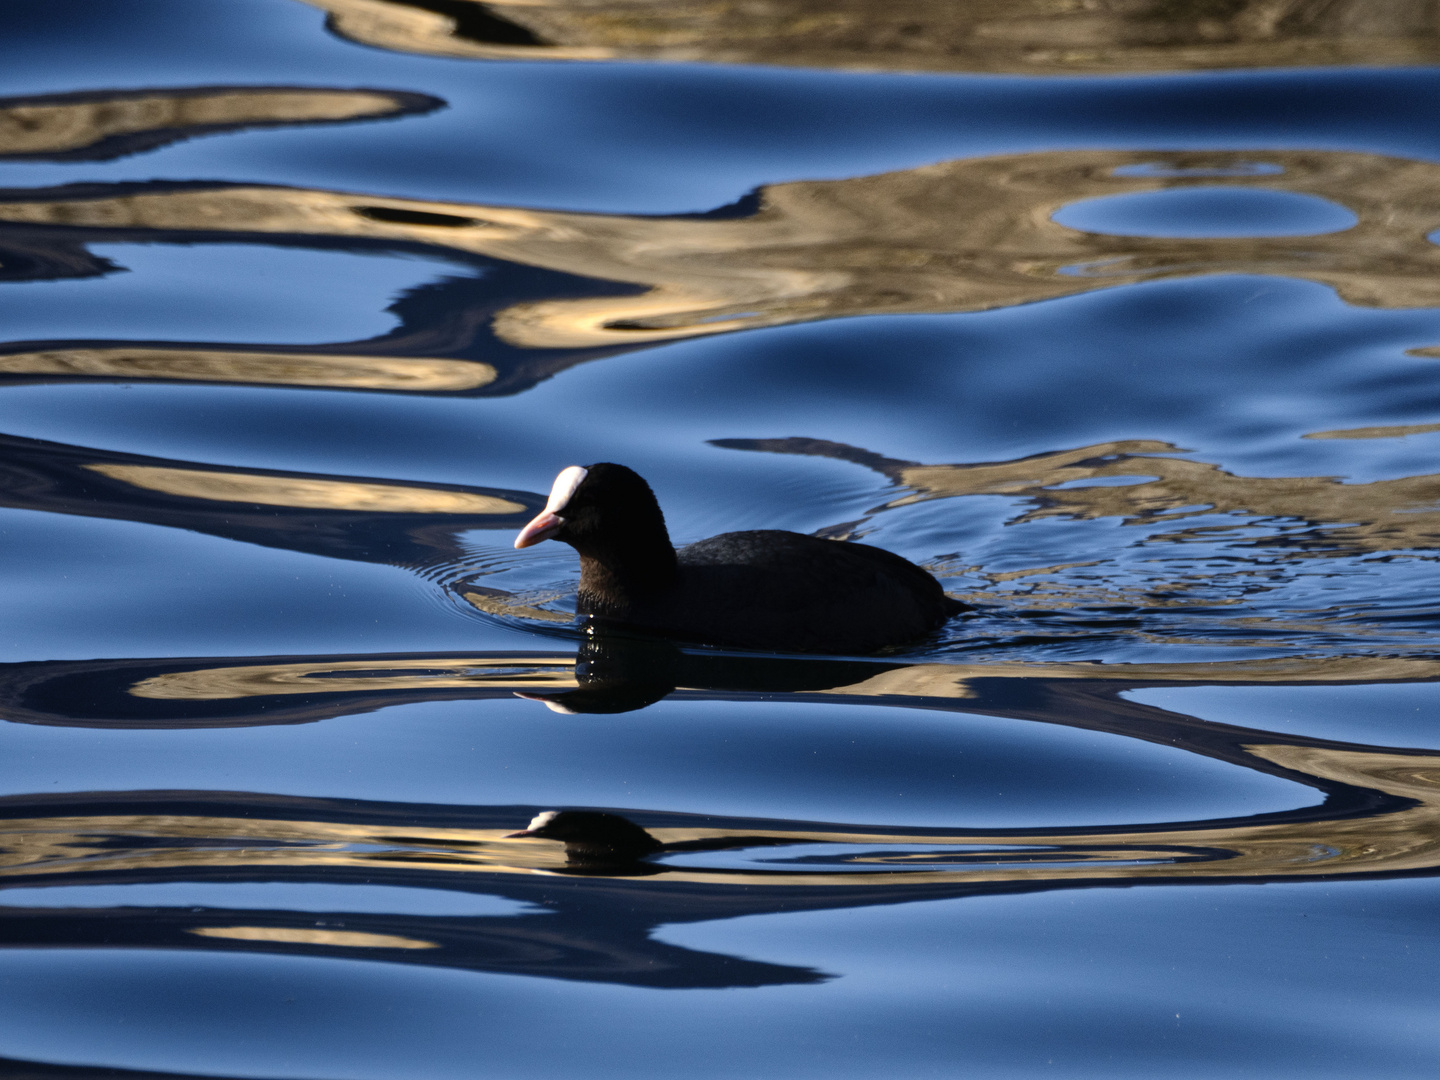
(609,514)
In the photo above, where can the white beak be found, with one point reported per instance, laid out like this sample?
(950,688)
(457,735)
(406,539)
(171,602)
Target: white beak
(548,522)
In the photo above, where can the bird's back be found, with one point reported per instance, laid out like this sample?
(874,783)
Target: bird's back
(770,589)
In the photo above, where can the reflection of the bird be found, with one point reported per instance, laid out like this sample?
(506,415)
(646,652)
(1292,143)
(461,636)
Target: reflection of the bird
(562,287)
(1025,36)
(184,692)
(1382,515)
(608,676)
(99,125)
(597,899)
(387,521)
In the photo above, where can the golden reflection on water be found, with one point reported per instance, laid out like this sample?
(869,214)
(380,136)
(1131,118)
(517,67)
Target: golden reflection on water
(1026,36)
(115,122)
(1398,431)
(295,935)
(1382,817)
(959,236)
(1382,515)
(332,677)
(541,674)
(953,680)
(378,520)
(333,370)
(967,235)
(1392,840)
(496,602)
(306,492)
(1406,836)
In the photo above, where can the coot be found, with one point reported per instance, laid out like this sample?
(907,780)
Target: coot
(762,589)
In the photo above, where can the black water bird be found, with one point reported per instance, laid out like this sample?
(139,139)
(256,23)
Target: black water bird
(762,589)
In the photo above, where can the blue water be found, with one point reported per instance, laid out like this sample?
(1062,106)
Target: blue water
(1145,367)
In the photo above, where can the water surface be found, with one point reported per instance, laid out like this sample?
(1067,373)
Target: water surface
(1124,323)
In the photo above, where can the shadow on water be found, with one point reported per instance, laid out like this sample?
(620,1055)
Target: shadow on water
(596,885)
(551,289)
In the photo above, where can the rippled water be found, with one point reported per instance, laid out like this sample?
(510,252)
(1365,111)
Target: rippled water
(1122,318)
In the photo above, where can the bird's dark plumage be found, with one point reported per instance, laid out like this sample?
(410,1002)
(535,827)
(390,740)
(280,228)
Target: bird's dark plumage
(762,589)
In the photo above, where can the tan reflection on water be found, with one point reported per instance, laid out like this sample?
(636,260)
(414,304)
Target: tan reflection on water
(333,370)
(968,235)
(1399,840)
(1408,839)
(347,939)
(58,125)
(1398,431)
(1027,36)
(495,602)
(1382,515)
(306,492)
(1405,837)
(337,677)
(542,674)
(954,680)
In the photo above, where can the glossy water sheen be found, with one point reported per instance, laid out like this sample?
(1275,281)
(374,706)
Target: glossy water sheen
(1125,324)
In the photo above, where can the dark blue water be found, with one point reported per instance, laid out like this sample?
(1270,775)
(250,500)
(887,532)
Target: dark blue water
(1141,359)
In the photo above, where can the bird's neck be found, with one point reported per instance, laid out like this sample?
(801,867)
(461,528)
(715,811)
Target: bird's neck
(614,581)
